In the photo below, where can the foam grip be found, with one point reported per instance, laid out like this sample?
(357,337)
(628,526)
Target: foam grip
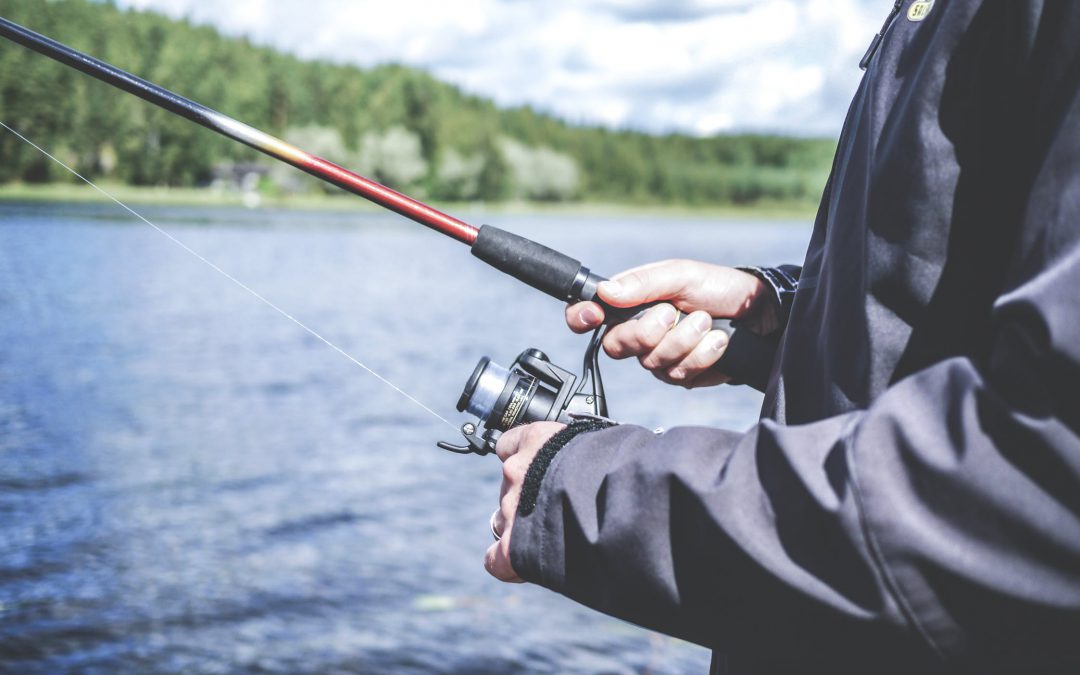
(537,265)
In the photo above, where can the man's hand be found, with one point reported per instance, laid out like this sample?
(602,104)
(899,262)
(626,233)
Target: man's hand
(677,354)
(516,448)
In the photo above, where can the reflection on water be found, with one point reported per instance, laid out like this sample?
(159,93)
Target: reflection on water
(190,483)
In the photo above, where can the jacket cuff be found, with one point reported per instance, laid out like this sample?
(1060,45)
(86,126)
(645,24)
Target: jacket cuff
(783,281)
(530,489)
(532,533)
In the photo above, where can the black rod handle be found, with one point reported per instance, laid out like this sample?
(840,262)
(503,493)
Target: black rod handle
(537,265)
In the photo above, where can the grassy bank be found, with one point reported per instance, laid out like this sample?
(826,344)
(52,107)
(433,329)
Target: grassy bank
(159,196)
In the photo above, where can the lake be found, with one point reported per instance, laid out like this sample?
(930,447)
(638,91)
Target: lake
(191,483)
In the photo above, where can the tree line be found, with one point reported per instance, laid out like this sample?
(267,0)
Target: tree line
(396,124)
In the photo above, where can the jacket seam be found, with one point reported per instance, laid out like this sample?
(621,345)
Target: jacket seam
(877,552)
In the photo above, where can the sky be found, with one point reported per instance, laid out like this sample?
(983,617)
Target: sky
(692,66)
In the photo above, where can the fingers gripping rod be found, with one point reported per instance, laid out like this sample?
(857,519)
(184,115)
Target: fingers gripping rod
(746,360)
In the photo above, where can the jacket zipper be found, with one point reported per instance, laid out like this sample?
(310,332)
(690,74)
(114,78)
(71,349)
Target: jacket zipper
(864,63)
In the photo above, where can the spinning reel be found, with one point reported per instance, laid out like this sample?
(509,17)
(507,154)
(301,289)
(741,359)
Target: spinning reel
(532,389)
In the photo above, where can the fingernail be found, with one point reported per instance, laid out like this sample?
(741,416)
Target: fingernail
(719,340)
(666,315)
(590,316)
(612,289)
(702,322)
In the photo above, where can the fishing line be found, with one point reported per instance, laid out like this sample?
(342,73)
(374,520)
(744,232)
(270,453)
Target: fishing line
(233,279)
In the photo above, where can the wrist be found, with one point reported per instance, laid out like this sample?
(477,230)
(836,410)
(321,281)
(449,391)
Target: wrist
(770,302)
(761,311)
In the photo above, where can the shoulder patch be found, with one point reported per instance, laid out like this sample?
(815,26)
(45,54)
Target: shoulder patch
(919,10)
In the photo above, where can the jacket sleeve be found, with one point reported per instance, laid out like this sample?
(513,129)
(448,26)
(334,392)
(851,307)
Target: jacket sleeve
(940,525)
(945,518)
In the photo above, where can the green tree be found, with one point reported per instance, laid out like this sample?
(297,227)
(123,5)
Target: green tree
(400,124)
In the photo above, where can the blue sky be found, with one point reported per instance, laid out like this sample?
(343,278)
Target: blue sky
(697,66)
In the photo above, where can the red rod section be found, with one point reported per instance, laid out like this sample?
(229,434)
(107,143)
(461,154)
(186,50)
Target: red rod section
(391,199)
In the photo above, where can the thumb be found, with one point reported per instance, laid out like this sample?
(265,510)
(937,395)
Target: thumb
(690,285)
(665,280)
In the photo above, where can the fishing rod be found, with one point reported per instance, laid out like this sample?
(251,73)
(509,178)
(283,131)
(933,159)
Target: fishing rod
(533,388)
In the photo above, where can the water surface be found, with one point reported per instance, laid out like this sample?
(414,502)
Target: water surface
(191,483)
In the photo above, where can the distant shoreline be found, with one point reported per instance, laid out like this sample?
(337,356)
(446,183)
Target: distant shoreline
(208,197)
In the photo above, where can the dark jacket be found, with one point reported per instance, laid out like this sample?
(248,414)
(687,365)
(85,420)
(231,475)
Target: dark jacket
(910,501)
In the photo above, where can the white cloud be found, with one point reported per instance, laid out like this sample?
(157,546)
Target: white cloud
(699,66)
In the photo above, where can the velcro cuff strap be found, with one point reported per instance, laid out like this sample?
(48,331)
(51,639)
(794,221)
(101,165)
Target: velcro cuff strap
(530,490)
